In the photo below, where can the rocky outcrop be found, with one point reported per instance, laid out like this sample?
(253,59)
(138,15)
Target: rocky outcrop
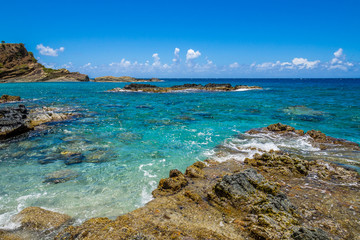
(7,98)
(273,195)
(211,87)
(15,121)
(125,79)
(38,219)
(19,65)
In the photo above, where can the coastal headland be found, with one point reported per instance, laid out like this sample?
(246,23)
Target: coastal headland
(271,195)
(19,65)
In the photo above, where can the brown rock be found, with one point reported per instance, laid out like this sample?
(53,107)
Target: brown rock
(171,185)
(38,219)
(7,98)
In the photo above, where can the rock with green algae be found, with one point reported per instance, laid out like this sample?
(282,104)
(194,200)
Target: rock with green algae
(38,219)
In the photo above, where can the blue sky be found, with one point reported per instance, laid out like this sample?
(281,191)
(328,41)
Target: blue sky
(278,38)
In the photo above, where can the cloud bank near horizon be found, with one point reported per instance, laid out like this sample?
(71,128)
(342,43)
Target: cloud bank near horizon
(196,64)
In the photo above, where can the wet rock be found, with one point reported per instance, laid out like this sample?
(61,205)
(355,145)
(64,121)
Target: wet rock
(277,127)
(14,121)
(7,98)
(138,87)
(43,115)
(47,160)
(242,185)
(195,170)
(38,219)
(74,158)
(60,176)
(301,233)
(171,185)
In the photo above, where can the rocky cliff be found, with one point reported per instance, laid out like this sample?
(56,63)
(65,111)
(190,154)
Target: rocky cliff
(19,65)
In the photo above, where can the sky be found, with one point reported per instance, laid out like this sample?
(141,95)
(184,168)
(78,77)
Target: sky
(176,39)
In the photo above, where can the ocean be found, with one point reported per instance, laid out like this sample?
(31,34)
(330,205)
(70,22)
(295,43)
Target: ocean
(129,141)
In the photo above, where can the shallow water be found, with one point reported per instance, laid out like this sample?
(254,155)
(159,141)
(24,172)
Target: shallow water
(131,140)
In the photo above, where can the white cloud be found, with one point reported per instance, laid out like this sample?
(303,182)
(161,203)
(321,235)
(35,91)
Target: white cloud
(234,65)
(156,60)
(338,53)
(302,63)
(123,64)
(176,58)
(191,54)
(339,61)
(48,51)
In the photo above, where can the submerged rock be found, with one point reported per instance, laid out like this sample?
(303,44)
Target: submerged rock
(38,219)
(211,87)
(60,176)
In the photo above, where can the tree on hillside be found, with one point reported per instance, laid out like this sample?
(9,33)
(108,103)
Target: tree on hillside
(2,41)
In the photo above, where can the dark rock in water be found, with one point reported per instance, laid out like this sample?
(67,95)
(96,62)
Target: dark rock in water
(137,86)
(74,158)
(145,106)
(218,85)
(301,233)
(13,121)
(7,98)
(47,160)
(61,176)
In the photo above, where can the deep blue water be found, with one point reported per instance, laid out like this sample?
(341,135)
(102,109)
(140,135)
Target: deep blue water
(138,137)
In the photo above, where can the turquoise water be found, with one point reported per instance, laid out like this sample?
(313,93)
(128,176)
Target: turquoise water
(131,140)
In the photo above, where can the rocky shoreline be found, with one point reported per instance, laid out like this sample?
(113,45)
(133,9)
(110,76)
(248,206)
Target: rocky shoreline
(211,87)
(19,65)
(270,195)
(125,79)
(15,121)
